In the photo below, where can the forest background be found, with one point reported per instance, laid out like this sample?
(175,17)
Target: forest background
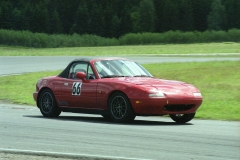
(117,22)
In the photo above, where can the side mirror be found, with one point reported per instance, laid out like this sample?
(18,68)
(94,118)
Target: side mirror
(82,76)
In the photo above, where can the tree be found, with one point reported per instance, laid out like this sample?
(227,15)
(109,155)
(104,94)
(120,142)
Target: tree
(135,19)
(147,16)
(170,19)
(82,20)
(126,23)
(217,17)
(97,18)
(37,16)
(232,11)
(186,15)
(55,25)
(6,14)
(17,18)
(27,17)
(115,26)
(201,9)
(67,10)
(110,17)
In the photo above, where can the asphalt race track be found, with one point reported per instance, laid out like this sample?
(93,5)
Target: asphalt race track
(23,64)
(24,130)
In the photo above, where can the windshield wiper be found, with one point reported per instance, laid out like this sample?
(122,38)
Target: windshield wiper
(141,76)
(111,76)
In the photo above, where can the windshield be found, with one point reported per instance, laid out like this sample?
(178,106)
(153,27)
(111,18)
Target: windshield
(120,68)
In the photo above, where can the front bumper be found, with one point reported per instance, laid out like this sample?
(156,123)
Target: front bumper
(161,106)
(35,95)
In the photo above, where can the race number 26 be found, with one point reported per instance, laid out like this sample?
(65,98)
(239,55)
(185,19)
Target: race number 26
(76,88)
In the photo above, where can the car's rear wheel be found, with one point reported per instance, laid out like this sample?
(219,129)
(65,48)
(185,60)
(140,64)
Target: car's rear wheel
(182,118)
(47,104)
(120,108)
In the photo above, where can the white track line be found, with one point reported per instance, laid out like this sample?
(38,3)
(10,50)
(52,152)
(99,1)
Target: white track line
(64,155)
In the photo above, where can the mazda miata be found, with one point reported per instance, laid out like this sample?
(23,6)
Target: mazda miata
(119,89)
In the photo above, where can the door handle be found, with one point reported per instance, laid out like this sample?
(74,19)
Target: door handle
(65,84)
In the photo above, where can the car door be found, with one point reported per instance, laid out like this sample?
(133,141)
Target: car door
(75,92)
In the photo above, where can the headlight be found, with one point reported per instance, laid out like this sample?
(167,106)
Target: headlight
(157,94)
(197,94)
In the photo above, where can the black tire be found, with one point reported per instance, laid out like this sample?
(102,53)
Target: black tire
(47,104)
(182,118)
(120,108)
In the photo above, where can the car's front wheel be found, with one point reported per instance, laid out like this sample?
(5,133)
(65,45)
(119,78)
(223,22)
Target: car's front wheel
(120,108)
(47,104)
(182,118)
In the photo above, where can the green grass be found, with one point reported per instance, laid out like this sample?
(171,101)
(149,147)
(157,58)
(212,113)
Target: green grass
(201,48)
(218,82)
(19,88)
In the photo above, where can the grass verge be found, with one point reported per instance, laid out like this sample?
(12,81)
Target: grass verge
(169,49)
(218,82)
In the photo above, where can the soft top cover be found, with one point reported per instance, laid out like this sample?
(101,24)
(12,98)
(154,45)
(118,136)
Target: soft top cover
(65,73)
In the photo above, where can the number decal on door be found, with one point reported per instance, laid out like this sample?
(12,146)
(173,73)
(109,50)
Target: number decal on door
(76,88)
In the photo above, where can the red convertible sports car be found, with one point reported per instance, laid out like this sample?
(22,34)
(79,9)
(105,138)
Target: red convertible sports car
(117,88)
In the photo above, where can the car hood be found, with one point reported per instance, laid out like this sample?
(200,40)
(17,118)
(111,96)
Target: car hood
(152,81)
(166,86)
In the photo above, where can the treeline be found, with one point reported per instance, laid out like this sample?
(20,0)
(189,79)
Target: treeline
(43,40)
(115,18)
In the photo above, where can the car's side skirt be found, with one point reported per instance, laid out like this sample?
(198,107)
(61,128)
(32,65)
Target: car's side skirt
(81,110)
